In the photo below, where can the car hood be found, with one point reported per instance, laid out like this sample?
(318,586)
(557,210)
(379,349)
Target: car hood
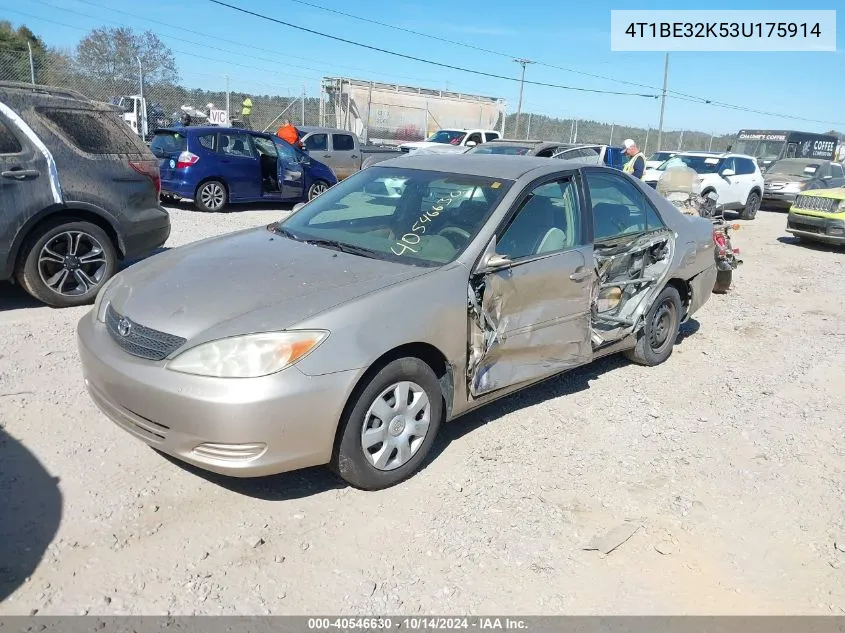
(837,193)
(249,281)
(421,144)
(784,179)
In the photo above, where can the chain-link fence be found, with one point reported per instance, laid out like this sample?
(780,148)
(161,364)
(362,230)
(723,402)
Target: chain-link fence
(383,123)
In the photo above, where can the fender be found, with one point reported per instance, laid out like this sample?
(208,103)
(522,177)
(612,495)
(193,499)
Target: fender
(87,210)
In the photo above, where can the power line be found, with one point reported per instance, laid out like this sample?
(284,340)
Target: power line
(681,96)
(423,60)
(251,47)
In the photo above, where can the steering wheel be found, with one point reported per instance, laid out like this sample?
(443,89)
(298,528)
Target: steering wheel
(450,232)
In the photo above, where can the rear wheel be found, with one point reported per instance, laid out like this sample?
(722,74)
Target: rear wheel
(390,427)
(211,197)
(752,205)
(723,281)
(657,337)
(66,263)
(317,188)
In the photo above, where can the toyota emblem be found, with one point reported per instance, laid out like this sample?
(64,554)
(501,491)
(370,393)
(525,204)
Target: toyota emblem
(124,327)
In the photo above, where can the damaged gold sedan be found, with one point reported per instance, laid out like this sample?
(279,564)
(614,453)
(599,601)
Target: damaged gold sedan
(408,294)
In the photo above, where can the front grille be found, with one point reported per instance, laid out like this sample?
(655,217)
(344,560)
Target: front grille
(801,226)
(141,341)
(816,203)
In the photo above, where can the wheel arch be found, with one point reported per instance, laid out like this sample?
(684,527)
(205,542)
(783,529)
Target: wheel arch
(71,212)
(425,352)
(219,179)
(684,290)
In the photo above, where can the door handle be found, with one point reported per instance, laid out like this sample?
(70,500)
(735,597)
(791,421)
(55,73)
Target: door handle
(581,275)
(327,155)
(354,156)
(21,174)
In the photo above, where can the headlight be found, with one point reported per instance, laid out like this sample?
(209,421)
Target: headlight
(248,356)
(841,207)
(98,312)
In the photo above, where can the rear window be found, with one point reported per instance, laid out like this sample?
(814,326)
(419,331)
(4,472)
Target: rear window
(166,143)
(93,131)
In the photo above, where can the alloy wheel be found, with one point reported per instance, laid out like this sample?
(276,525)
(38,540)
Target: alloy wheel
(72,263)
(212,196)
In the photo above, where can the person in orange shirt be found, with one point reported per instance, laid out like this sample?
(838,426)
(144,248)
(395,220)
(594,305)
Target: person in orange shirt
(289,133)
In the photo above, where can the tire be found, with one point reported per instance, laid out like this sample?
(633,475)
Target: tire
(212,196)
(752,205)
(662,323)
(318,187)
(66,263)
(381,465)
(723,281)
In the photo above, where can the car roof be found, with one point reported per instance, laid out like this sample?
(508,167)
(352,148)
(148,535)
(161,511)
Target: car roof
(715,155)
(489,165)
(308,129)
(208,129)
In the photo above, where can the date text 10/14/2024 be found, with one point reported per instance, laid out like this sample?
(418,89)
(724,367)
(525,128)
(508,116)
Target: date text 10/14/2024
(421,623)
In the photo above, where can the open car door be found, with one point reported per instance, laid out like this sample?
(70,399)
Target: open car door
(530,296)
(291,173)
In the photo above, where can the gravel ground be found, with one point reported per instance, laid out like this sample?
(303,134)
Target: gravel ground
(724,466)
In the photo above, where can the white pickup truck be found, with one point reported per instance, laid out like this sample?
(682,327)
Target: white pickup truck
(451,141)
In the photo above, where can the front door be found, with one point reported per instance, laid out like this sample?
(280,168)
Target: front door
(239,165)
(291,170)
(343,155)
(28,185)
(531,311)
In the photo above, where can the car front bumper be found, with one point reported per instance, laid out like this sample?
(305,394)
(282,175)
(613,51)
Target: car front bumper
(779,198)
(828,230)
(239,427)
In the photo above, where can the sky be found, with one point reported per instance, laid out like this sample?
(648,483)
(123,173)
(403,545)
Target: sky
(570,41)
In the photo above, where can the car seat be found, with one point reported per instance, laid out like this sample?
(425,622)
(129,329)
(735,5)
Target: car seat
(539,227)
(238,147)
(610,220)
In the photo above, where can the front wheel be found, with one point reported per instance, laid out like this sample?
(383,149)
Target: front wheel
(390,427)
(317,188)
(724,278)
(67,263)
(752,205)
(657,337)
(211,197)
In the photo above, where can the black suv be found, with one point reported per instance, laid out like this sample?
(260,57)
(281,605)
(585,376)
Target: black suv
(78,192)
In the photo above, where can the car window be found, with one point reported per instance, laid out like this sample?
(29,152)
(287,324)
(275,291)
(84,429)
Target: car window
(234,144)
(547,153)
(286,151)
(744,166)
(92,131)
(499,148)
(492,136)
(619,207)
(317,143)
(9,143)
(407,215)
(207,141)
(342,143)
(265,146)
(837,171)
(167,143)
(475,138)
(547,221)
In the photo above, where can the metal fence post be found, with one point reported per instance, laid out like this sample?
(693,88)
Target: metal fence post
(228,97)
(610,142)
(142,106)
(645,146)
(369,107)
(303,105)
(528,129)
(31,64)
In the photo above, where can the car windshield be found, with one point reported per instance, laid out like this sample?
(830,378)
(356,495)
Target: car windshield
(661,156)
(447,136)
(701,164)
(496,148)
(794,168)
(405,215)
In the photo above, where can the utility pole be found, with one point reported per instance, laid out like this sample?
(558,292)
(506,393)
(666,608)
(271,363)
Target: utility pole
(31,64)
(663,103)
(523,63)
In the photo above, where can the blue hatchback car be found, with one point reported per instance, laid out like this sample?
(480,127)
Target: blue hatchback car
(217,166)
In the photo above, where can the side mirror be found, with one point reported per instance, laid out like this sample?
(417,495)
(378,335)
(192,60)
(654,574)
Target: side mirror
(494,262)
(728,172)
(471,143)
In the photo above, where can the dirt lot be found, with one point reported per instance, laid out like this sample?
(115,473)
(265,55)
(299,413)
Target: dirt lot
(727,461)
